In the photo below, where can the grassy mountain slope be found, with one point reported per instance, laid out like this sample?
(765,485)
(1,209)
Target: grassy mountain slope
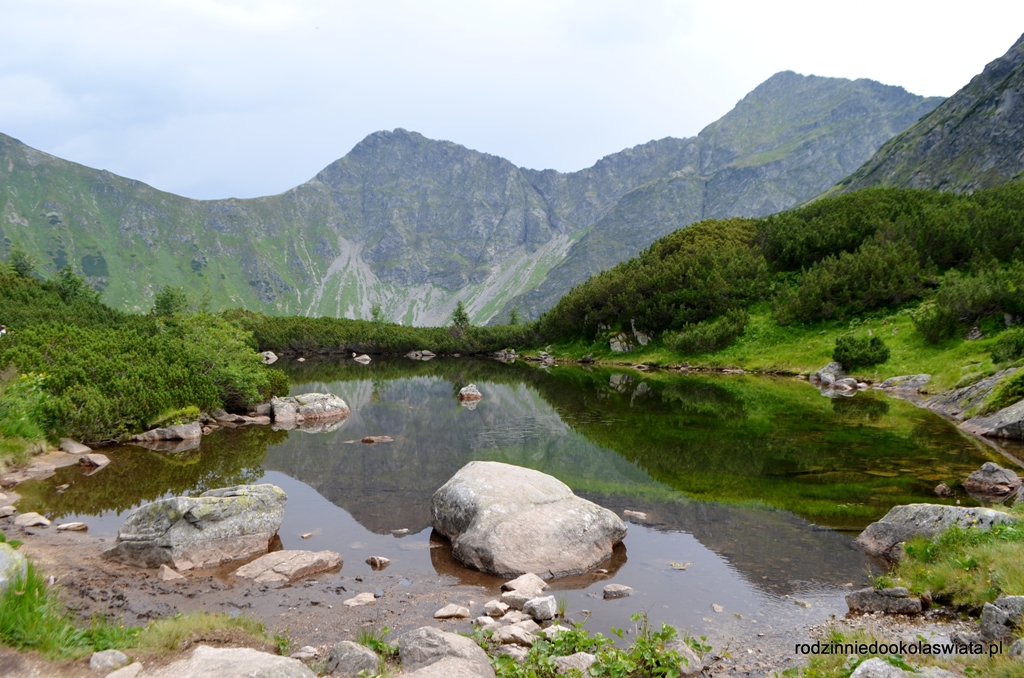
(784,143)
(973,140)
(418,225)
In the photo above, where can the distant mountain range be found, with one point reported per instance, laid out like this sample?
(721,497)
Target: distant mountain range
(975,139)
(417,225)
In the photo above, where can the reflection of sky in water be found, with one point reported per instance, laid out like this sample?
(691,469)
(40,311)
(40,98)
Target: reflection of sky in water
(755,562)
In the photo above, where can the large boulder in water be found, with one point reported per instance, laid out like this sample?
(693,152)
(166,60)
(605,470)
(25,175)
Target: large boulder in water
(884,538)
(308,407)
(218,526)
(508,520)
(992,481)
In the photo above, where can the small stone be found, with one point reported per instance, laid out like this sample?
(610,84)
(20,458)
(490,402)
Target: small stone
(359,600)
(7,511)
(527,625)
(612,591)
(516,599)
(514,635)
(542,608)
(74,447)
(942,490)
(717,608)
(378,562)
(107,660)
(364,359)
(168,574)
(306,535)
(515,616)
(515,651)
(373,440)
(452,611)
(680,566)
(130,671)
(31,519)
(72,527)
(636,515)
(486,622)
(304,653)
(495,608)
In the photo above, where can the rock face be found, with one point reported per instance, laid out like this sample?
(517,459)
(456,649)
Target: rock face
(428,646)
(971,141)
(911,383)
(507,520)
(12,564)
(216,527)
(308,407)
(1006,423)
(887,601)
(954,403)
(884,538)
(1000,619)
(193,431)
(233,662)
(282,567)
(992,480)
(621,343)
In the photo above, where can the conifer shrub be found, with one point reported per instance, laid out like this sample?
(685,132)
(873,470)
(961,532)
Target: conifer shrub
(852,351)
(1009,346)
(708,335)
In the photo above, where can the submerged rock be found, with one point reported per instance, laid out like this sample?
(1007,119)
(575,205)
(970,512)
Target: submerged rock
(885,537)
(507,520)
(282,567)
(216,527)
(887,601)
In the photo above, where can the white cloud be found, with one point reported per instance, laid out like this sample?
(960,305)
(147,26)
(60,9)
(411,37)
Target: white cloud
(247,98)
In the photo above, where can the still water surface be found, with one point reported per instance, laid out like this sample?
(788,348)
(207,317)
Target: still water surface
(760,484)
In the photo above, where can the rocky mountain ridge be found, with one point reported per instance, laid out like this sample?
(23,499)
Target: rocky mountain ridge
(418,225)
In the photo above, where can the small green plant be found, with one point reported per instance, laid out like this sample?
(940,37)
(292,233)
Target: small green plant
(376,641)
(13,543)
(563,606)
(283,643)
(852,351)
(181,415)
(177,633)
(376,314)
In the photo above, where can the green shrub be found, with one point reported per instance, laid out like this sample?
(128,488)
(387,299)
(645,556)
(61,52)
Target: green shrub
(852,351)
(708,335)
(1009,346)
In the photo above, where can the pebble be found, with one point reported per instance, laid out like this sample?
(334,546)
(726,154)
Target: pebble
(717,608)
(107,660)
(361,599)
(31,519)
(72,527)
(304,653)
(168,574)
(452,611)
(612,591)
(378,562)
(7,511)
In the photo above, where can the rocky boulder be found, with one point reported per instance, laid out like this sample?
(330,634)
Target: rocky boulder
(621,343)
(12,565)
(216,527)
(74,447)
(1000,619)
(193,431)
(347,659)
(507,520)
(281,567)
(456,655)
(232,662)
(308,407)
(884,538)
(470,392)
(1006,423)
(992,481)
(828,375)
(911,383)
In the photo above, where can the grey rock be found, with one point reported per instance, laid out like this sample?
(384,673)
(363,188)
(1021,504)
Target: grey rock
(12,565)
(365,598)
(846,383)
(528,583)
(192,431)
(886,601)
(304,653)
(878,668)
(73,447)
(1006,423)
(426,645)
(73,527)
(487,622)
(884,537)
(31,519)
(269,357)
(581,661)
(613,591)
(942,490)
(347,659)
(452,611)
(1017,649)
(169,574)
(495,608)
(232,662)
(542,608)
(515,616)
(514,634)
(954,403)
(508,520)
(828,374)
(912,383)
(130,671)
(216,527)
(621,343)
(451,667)
(517,652)
(95,460)
(470,392)
(690,664)
(378,562)
(282,567)
(999,619)
(107,660)
(7,511)
(992,480)
(308,407)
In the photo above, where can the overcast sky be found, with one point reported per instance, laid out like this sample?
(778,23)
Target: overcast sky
(212,99)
